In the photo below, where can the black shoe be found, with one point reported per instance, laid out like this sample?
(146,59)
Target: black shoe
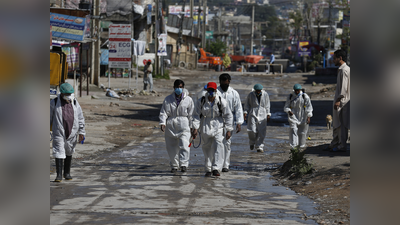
(208,174)
(225,170)
(59,168)
(183,169)
(216,173)
(67,168)
(174,170)
(251,147)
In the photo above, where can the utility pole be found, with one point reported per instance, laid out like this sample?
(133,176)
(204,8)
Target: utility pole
(156,38)
(252,31)
(198,20)
(191,16)
(95,71)
(204,23)
(179,41)
(240,39)
(330,25)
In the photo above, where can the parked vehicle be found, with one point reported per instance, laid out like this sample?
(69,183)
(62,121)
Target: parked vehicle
(207,57)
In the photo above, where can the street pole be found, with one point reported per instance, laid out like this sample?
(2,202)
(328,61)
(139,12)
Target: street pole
(95,71)
(198,20)
(132,36)
(179,41)
(204,23)
(156,38)
(240,40)
(191,16)
(252,31)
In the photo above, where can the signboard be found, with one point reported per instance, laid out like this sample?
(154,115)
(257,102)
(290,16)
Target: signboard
(51,38)
(177,9)
(209,35)
(68,27)
(303,51)
(330,62)
(346,18)
(162,45)
(119,48)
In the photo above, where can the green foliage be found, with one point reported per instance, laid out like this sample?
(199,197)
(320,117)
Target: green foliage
(298,19)
(216,48)
(300,166)
(315,63)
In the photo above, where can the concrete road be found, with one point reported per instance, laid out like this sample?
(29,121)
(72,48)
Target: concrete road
(133,184)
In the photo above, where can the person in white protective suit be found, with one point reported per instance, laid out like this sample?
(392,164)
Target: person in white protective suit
(235,106)
(211,116)
(67,122)
(299,109)
(176,121)
(200,94)
(257,108)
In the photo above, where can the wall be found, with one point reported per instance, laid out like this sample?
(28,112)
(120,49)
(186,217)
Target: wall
(185,54)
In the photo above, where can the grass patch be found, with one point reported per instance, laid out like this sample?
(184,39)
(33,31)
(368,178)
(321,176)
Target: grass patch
(159,76)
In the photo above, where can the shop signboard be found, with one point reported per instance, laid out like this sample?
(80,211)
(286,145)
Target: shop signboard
(303,51)
(177,9)
(68,27)
(119,47)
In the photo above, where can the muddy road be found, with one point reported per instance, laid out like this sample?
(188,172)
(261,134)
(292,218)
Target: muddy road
(121,175)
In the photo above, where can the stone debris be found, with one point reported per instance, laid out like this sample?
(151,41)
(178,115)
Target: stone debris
(143,92)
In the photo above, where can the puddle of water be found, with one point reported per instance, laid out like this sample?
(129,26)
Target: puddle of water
(264,185)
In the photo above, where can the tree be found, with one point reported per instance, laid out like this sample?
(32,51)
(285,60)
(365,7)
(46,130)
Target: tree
(216,48)
(297,22)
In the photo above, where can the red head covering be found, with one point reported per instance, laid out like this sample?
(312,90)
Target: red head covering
(212,85)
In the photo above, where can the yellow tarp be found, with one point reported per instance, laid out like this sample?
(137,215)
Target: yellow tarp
(55,69)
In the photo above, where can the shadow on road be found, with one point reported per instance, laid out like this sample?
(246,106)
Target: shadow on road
(320,79)
(318,150)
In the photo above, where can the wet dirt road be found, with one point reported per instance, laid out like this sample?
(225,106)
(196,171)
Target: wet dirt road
(132,184)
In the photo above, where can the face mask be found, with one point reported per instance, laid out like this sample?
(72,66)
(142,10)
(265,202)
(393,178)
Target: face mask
(258,94)
(211,93)
(67,98)
(224,87)
(178,91)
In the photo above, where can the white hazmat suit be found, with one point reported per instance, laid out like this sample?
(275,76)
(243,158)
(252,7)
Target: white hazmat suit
(235,106)
(211,126)
(300,106)
(257,113)
(177,120)
(62,146)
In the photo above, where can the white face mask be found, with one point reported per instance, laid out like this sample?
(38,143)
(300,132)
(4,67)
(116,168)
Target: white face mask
(67,98)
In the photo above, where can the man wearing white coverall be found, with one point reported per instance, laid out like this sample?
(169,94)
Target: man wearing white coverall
(210,117)
(235,105)
(299,109)
(67,122)
(175,121)
(257,107)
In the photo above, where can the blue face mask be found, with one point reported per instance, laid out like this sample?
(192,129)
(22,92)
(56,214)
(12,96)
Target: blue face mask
(178,91)
(211,93)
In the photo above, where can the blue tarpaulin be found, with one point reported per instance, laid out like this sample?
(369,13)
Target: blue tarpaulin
(104,57)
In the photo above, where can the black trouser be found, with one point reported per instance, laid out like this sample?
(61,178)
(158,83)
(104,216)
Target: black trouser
(271,68)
